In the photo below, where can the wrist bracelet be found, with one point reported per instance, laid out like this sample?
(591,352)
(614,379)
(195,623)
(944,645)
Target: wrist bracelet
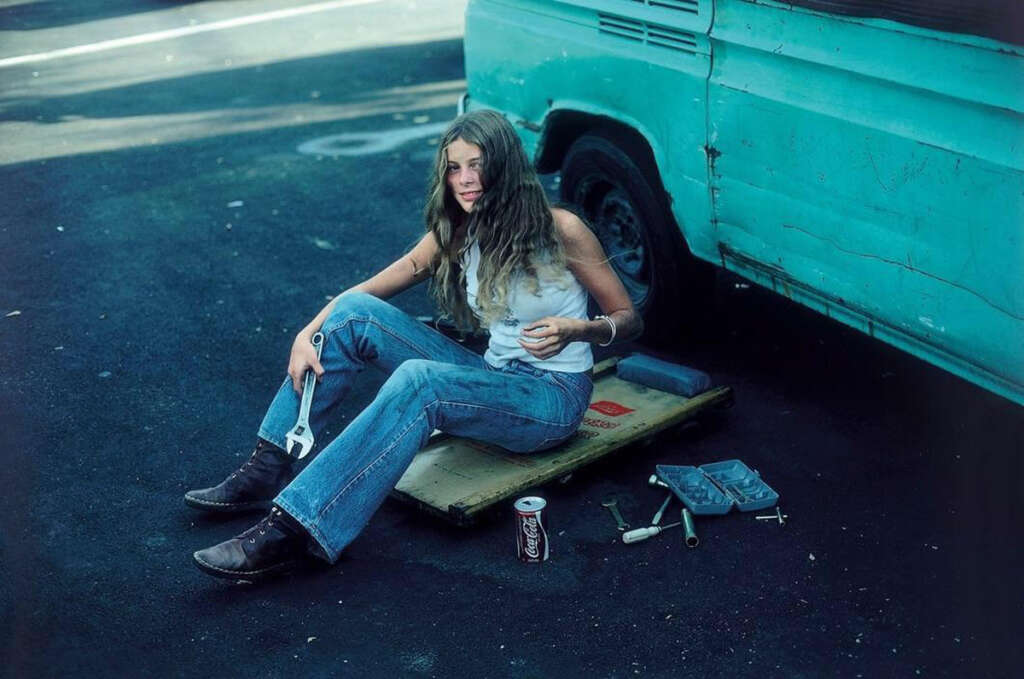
(611,323)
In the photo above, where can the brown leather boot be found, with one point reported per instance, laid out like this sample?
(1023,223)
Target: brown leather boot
(249,488)
(273,546)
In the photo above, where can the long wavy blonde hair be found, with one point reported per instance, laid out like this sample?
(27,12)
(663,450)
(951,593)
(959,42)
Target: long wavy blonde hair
(511,222)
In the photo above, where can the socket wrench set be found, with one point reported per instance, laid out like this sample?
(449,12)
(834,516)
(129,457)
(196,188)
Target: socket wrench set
(717,487)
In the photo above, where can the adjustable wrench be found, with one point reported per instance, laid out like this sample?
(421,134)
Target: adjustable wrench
(300,438)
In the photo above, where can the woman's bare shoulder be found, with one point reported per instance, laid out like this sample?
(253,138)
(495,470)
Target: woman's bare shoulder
(569,226)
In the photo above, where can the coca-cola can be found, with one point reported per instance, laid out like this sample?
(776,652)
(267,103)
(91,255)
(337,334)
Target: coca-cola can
(531,533)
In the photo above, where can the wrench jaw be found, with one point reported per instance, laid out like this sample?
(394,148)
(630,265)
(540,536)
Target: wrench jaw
(300,441)
(300,438)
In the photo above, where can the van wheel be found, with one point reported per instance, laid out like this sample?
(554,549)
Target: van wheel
(622,201)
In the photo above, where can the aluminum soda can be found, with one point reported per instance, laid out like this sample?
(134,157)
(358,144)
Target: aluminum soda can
(531,533)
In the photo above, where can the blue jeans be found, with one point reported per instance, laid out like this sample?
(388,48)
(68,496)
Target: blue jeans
(434,383)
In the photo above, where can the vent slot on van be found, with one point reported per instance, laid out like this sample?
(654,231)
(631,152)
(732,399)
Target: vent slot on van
(649,34)
(672,39)
(690,6)
(620,26)
(681,5)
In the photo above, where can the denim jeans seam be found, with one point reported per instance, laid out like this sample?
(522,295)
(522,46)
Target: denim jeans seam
(401,435)
(576,387)
(271,439)
(383,328)
(577,394)
(565,389)
(311,527)
(383,454)
(506,412)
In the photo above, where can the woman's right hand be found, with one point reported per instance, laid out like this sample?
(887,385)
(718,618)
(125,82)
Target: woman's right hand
(302,359)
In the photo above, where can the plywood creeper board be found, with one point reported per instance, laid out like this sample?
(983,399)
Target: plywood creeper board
(459,478)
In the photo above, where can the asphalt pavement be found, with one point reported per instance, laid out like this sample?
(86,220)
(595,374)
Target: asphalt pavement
(173,210)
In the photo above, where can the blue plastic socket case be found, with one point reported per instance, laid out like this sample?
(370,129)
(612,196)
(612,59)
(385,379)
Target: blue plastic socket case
(714,488)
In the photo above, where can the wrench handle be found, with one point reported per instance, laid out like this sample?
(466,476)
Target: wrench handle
(310,383)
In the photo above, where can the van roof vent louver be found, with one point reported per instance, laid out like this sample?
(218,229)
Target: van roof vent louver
(681,5)
(690,6)
(671,38)
(621,26)
(649,34)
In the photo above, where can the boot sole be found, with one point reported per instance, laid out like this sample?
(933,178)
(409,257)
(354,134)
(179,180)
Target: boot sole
(226,507)
(246,576)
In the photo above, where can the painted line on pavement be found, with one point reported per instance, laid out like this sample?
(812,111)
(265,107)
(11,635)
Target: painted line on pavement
(157,36)
(367,143)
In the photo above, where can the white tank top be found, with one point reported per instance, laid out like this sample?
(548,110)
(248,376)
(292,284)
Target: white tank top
(562,297)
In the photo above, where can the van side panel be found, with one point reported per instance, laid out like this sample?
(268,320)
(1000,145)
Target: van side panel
(875,172)
(866,168)
(645,66)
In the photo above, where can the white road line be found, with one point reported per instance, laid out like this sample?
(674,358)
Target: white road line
(183,31)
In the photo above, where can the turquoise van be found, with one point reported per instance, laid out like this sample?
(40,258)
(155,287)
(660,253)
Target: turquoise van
(862,158)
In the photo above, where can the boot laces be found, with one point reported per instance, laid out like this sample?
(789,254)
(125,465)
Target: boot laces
(266,523)
(244,467)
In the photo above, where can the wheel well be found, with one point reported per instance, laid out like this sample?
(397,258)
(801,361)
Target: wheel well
(563,128)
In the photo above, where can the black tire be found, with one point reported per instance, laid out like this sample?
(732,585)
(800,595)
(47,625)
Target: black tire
(622,200)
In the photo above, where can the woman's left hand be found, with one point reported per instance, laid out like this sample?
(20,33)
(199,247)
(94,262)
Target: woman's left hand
(546,337)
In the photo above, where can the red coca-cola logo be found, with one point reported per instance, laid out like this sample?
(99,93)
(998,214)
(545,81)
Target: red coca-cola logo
(531,531)
(610,408)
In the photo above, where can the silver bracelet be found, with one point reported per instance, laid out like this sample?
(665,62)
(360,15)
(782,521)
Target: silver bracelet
(611,323)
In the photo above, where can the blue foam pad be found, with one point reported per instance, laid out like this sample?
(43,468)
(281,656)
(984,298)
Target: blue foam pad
(657,374)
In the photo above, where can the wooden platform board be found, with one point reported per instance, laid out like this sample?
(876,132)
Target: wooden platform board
(458,478)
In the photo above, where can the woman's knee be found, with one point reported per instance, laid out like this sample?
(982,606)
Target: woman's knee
(410,386)
(410,377)
(355,305)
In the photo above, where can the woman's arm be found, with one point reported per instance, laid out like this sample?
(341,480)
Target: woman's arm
(412,268)
(405,272)
(588,263)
